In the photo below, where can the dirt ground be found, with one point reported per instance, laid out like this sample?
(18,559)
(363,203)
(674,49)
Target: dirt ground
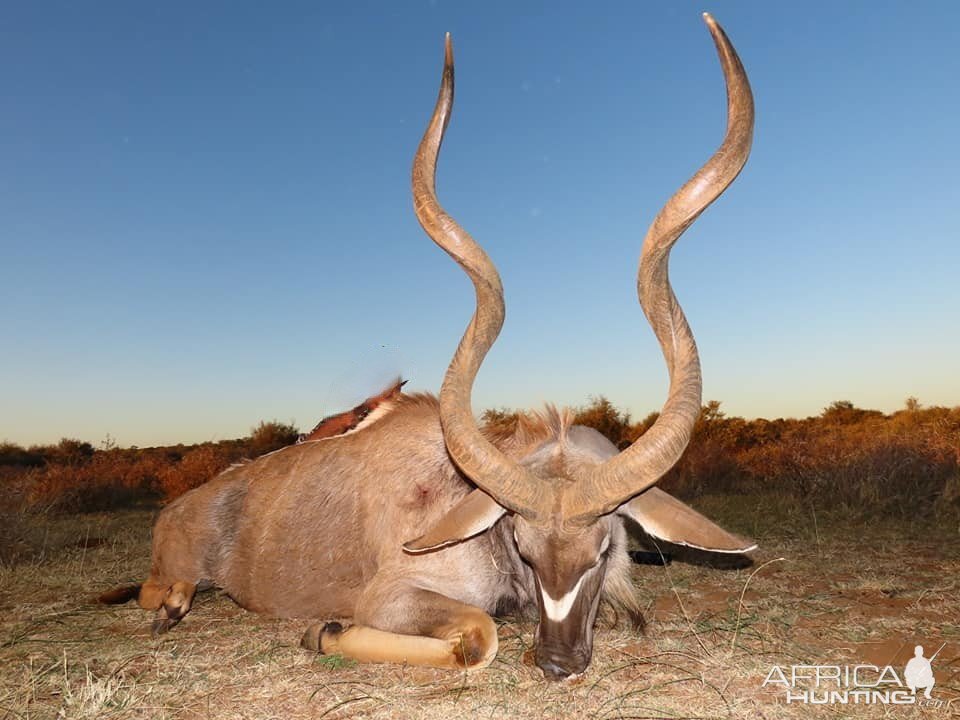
(824,589)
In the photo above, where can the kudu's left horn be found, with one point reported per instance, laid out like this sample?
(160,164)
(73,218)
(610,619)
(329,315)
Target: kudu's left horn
(492,471)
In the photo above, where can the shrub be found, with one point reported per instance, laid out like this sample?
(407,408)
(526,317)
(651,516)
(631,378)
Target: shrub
(107,480)
(907,462)
(197,467)
(269,436)
(605,418)
(14,456)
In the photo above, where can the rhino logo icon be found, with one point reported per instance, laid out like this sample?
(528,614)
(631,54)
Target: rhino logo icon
(919,673)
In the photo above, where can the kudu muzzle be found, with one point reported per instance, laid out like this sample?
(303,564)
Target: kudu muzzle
(564,645)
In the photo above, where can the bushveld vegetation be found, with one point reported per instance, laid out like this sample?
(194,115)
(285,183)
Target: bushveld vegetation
(907,462)
(863,461)
(75,476)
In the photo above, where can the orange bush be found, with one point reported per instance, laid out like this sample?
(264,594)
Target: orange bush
(905,462)
(197,466)
(106,480)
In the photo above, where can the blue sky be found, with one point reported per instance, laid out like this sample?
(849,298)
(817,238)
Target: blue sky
(205,214)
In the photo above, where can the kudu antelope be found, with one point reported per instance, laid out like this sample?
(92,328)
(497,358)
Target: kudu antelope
(419,526)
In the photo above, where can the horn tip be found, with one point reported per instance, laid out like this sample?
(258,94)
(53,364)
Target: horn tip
(448,47)
(719,36)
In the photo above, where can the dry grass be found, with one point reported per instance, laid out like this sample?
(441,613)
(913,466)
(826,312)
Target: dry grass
(843,593)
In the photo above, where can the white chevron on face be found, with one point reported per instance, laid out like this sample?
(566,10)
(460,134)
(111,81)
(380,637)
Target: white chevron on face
(557,610)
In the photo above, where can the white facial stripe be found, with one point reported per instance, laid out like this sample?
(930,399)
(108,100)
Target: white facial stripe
(557,610)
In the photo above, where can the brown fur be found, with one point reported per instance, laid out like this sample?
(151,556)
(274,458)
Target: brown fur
(531,429)
(119,595)
(316,530)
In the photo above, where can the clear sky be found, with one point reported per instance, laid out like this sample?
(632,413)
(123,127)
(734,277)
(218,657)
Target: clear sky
(205,214)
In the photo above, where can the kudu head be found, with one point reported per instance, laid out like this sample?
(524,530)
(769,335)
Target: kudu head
(568,495)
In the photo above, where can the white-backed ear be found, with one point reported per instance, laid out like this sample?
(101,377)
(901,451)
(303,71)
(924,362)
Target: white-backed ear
(471,516)
(666,518)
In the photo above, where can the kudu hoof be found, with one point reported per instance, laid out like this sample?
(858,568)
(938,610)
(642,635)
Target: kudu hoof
(315,635)
(159,626)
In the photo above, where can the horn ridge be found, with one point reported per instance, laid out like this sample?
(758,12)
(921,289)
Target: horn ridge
(656,451)
(492,471)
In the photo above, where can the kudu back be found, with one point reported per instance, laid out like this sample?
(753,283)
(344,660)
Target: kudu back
(418,526)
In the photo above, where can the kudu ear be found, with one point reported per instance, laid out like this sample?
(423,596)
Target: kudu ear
(666,518)
(472,515)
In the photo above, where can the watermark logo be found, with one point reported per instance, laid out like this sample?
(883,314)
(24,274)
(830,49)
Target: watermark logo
(919,672)
(863,684)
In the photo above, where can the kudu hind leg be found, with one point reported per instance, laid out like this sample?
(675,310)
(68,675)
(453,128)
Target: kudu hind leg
(171,602)
(422,628)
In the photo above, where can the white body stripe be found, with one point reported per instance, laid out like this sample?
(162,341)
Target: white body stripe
(557,610)
(381,410)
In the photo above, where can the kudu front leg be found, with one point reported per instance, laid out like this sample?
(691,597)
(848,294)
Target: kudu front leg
(419,628)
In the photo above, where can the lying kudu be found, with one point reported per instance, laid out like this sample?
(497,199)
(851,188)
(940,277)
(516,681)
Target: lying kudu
(419,527)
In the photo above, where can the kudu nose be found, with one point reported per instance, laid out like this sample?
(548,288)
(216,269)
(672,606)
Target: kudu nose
(555,667)
(552,671)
